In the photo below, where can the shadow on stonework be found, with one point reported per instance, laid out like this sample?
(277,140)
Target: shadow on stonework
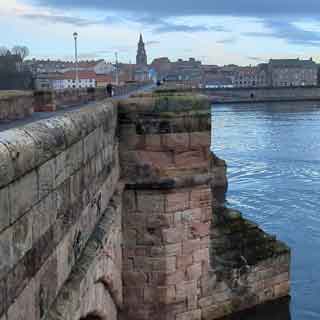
(248,267)
(92,317)
(277,310)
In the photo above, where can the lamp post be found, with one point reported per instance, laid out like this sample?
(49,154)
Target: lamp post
(75,36)
(117,71)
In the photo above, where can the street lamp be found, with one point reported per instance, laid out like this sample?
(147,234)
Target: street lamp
(75,36)
(117,71)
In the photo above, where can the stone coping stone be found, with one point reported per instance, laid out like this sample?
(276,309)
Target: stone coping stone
(13,94)
(165,104)
(26,148)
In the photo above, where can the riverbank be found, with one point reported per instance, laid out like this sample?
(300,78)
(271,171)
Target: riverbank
(257,95)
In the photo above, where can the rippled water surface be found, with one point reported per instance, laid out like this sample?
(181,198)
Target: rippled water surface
(273,156)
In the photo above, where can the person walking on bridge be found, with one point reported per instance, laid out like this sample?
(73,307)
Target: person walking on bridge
(109,90)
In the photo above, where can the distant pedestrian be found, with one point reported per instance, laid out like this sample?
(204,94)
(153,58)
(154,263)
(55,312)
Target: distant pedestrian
(109,90)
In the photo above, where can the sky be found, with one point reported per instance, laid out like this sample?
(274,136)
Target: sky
(219,32)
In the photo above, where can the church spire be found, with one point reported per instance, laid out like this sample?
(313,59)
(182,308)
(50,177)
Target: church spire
(141,58)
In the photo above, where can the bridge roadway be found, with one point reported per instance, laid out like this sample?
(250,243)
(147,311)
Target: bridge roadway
(36,116)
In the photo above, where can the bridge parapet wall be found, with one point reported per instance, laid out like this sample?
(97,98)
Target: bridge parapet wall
(15,105)
(50,101)
(57,177)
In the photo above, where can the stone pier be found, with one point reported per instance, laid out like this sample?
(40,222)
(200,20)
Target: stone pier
(186,256)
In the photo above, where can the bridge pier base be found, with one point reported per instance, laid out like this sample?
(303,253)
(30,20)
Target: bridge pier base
(185,255)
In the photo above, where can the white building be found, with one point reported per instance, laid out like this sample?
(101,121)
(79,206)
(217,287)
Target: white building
(87,79)
(58,66)
(67,80)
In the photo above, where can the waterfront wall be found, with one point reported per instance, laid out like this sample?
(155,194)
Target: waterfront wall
(262,94)
(116,211)
(248,95)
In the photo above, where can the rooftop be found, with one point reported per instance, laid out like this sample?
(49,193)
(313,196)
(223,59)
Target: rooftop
(292,63)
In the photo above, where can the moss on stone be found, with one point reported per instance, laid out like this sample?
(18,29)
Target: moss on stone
(198,113)
(181,103)
(166,105)
(245,239)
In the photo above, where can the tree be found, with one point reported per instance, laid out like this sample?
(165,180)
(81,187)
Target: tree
(12,74)
(3,51)
(21,51)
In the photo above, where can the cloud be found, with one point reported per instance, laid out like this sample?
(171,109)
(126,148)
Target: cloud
(156,24)
(75,21)
(288,31)
(158,16)
(256,59)
(152,43)
(51,18)
(165,27)
(201,7)
(161,25)
(230,40)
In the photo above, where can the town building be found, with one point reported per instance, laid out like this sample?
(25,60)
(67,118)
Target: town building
(188,72)
(141,73)
(126,72)
(292,72)
(216,80)
(49,81)
(245,77)
(87,79)
(162,67)
(102,80)
(213,77)
(54,66)
(67,80)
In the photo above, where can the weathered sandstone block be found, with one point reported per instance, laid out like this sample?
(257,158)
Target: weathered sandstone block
(74,246)
(15,105)
(56,183)
(190,256)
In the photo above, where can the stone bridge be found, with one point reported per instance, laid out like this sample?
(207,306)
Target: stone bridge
(116,211)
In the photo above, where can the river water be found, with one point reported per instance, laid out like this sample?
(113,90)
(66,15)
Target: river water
(273,156)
